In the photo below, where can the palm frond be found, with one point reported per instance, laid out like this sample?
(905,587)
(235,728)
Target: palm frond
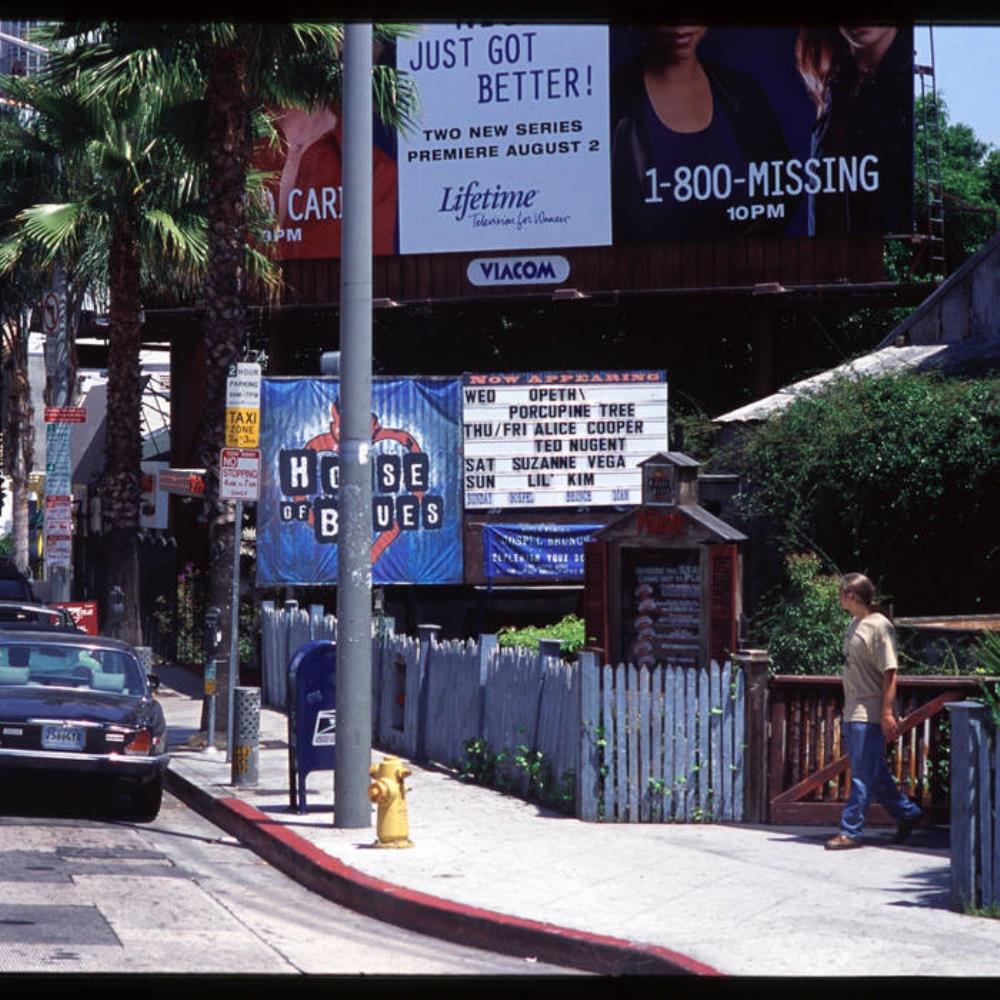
(183,238)
(264,269)
(395,98)
(11,252)
(51,226)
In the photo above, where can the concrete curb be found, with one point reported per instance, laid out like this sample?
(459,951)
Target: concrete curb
(425,914)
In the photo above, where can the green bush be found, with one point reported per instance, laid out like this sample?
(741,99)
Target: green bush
(803,625)
(568,630)
(895,476)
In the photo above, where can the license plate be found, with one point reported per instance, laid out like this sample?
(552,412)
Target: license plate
(62,738)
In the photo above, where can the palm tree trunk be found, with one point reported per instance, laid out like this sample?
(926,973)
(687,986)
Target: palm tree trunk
(123,450)
(224,317)
(19,432)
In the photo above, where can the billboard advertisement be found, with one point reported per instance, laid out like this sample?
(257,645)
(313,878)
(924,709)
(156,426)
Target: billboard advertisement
(560,439)
(779,130)
(416,499)
(532,137)
(509,113)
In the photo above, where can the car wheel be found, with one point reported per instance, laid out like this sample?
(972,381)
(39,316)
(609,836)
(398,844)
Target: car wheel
(146,800)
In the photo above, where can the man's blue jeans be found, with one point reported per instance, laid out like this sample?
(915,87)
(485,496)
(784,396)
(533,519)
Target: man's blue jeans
(870,779)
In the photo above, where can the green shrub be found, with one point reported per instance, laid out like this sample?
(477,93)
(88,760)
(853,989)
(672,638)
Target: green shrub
(802,626)
(986,654)
(568,630)
(895,474)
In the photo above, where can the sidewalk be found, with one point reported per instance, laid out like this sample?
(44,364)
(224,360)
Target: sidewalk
(492,871)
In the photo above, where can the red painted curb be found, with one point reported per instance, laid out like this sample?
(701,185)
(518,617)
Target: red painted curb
(426,914)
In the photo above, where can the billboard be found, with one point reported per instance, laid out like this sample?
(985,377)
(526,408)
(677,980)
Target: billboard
(720,132)
(509,112)
(416,500)
(560,439)
(532,137)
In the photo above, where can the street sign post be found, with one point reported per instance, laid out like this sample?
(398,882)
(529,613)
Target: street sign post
(239,480)
(239,474)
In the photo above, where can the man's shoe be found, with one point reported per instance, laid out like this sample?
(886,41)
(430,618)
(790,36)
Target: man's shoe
(905,828)
(842,843)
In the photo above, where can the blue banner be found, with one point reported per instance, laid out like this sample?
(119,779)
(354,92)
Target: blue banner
(415,462)
(535,550)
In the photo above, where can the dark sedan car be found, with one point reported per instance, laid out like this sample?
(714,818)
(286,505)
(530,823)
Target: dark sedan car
(80,703)
(36,617)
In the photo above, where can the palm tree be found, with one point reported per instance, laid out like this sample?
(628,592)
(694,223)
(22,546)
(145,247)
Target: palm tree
(21,288)
(244,69)
(128,211)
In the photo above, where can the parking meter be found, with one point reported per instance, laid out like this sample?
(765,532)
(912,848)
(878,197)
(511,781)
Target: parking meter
(212,635)
(116,609)
(211,640)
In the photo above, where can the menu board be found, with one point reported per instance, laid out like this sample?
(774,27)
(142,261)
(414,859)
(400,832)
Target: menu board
(662,608)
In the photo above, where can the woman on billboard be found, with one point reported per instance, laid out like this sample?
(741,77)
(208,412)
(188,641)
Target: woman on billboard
(861,81)
(684,131)
(305,188)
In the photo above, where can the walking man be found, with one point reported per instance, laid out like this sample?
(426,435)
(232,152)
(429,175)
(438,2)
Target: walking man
(869,717)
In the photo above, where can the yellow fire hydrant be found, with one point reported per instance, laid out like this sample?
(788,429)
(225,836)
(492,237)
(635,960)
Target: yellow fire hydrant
(388,791)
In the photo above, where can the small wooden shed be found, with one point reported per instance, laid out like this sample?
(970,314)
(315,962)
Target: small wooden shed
(663,583)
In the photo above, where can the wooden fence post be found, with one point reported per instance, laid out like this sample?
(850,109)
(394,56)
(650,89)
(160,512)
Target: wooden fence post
(487,645)
(967,734)
(588,765)
(755,664)
(550,648)
(426,635)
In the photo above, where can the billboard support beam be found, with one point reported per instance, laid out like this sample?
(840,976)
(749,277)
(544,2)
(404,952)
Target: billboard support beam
(352,807)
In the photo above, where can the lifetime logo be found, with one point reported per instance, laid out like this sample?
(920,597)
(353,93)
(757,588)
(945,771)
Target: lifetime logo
(547,270)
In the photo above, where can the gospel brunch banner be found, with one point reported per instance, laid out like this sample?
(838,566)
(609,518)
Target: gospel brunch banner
(535,550)
(560,439)
(509,113)
(416,499)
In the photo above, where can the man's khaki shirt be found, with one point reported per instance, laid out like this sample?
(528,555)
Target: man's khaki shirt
(869,651)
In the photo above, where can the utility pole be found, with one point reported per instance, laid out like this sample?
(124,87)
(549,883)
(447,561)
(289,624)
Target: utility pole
(352,808)
(59,566)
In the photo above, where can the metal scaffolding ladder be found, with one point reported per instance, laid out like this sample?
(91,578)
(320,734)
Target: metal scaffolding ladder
(931,154)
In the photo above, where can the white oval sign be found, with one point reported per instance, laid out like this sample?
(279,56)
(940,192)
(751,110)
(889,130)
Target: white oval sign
(537,270)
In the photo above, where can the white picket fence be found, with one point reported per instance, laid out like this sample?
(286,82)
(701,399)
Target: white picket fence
(631,744)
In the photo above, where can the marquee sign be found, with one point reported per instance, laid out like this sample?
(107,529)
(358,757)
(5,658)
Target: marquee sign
(560,439)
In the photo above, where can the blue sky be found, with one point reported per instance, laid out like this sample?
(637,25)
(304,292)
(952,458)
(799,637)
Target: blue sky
(967,71)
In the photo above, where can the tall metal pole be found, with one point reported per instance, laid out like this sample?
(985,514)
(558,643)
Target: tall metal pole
(57,356)
(234,628)
(352,808)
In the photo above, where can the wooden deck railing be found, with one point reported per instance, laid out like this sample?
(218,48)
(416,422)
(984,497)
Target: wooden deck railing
(808,774)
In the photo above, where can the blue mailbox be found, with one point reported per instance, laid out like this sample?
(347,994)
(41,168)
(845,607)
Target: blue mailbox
(312,715)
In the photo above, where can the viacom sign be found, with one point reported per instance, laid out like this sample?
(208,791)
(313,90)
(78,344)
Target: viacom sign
(547,270)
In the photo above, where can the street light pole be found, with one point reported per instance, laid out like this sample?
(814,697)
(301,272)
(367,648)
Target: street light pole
(352,808)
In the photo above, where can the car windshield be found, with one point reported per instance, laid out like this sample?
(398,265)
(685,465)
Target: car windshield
(27,663)
(13,589)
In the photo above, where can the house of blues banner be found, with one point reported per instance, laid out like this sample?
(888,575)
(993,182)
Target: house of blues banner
(416,499)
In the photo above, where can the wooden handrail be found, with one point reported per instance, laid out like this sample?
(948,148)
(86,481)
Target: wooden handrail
(907,723)
(807,785)
(902,681)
